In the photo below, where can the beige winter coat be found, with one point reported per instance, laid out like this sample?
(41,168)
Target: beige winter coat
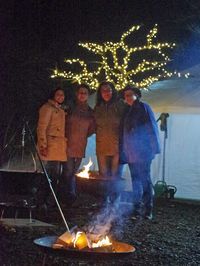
(51,132)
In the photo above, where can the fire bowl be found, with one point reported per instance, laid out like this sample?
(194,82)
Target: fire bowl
(98,185)
(119,248)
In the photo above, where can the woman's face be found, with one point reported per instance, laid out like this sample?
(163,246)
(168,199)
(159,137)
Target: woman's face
(82,95)
(59,96)
(106,92)
(129,97)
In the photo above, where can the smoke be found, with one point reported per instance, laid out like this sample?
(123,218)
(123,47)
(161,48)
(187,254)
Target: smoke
(101,224)
(108,219)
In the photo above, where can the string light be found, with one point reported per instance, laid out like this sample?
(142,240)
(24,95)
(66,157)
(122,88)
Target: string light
(122,70)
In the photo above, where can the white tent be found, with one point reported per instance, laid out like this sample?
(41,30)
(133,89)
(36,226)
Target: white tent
(181,99)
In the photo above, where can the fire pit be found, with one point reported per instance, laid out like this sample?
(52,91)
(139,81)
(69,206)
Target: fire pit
(118,248)
(93,238)
(97,185)
(93,183)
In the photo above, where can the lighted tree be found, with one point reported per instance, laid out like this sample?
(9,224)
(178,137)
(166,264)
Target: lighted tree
(122,64)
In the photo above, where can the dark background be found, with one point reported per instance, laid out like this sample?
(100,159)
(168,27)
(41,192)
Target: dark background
(36,36)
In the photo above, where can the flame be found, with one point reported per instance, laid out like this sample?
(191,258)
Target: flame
(85,172)
(103,242)
(80,241)
(76,237)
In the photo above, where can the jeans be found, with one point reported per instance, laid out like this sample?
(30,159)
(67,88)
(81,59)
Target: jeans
(142,186)
(69,170)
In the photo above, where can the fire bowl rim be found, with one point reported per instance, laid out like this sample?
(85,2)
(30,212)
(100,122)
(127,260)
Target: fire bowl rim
(47,242)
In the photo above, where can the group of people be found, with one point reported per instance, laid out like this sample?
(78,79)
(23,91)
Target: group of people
(126,133)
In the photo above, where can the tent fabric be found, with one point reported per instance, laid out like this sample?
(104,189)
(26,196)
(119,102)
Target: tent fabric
(180,98)
(182,156)
(175,96)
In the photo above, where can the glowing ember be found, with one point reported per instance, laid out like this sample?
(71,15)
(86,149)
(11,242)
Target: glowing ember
(85,172)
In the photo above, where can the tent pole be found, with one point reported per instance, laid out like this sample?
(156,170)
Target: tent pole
(164,149)
(163,127)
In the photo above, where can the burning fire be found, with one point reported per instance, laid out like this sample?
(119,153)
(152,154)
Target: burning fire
(80,240)
(101,243)
(85,172)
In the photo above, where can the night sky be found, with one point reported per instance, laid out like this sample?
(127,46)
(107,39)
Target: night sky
(36,36)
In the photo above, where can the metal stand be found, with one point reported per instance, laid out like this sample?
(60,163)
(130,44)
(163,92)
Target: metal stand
(164,151)
(17,207)
(17,152)
(163,127)
(47,176)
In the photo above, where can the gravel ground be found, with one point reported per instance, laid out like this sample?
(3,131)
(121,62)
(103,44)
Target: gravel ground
(171,238)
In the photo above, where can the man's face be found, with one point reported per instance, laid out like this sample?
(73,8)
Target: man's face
(82,95)
(59,97)
(129,97)
(106,93)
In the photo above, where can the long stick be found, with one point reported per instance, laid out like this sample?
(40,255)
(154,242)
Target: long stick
(47,176)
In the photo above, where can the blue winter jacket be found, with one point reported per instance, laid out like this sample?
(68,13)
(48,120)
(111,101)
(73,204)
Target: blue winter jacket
(139,134)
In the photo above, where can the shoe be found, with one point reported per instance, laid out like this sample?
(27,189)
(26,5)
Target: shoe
(136,217)
(136,213)
(148,216)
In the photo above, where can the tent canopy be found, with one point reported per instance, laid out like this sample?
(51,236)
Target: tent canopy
(179,95)
(180,98)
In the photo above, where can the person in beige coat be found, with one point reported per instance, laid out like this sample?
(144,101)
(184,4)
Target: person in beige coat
(51,141)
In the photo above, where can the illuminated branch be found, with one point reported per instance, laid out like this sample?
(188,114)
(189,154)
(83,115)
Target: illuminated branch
(124,68)
(93,47)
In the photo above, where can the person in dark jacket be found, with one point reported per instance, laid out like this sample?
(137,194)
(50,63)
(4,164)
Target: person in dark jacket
(80,124)
(138,145)
(108,113)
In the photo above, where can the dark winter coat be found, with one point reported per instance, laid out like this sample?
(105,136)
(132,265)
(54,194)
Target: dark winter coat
(108,117)
(80,125)
(140,138)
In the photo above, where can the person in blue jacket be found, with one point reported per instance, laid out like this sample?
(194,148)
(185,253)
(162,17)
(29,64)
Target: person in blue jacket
(139,142)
